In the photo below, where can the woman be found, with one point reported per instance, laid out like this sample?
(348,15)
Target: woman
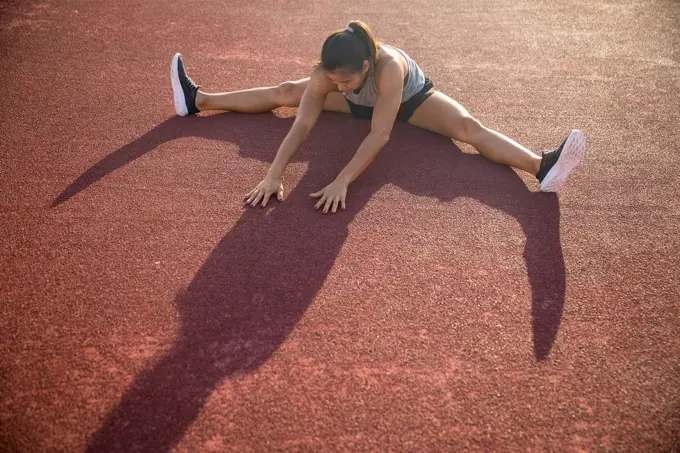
(375,81)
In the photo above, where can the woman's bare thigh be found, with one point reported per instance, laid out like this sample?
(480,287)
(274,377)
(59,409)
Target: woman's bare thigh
(441,114)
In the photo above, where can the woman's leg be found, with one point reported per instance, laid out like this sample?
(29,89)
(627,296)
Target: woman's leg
(256,100)
(441,114)
(189,98)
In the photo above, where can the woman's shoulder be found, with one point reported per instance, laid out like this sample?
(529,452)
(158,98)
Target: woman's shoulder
(390,57)
(387,52)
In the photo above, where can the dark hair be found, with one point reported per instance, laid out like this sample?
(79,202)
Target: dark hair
(349,49)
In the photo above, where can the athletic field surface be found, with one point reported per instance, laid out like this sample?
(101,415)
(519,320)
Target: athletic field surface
(450,308)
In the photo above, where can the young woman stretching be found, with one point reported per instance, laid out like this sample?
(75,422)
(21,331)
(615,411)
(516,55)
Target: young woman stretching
(375,81)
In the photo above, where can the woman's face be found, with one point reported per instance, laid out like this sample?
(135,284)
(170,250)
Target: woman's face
(348,81)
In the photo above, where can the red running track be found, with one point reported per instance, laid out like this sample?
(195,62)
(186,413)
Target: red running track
(452,307)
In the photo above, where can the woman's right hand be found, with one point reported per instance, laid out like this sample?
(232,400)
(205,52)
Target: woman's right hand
(264,190)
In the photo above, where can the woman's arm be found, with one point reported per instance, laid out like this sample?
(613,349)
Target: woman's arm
(308,113)
(390,86)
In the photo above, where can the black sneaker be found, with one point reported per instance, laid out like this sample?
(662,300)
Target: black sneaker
(184,89)
(557,164)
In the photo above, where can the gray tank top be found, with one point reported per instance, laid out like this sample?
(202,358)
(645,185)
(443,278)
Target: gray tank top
(415,81)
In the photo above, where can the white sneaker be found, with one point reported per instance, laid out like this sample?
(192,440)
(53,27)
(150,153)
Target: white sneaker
(184,89)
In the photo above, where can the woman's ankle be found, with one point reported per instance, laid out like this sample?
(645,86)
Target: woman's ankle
(201,100)
(536,165)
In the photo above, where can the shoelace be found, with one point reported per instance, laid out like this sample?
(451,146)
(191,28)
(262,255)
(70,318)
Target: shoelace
(187,80)
(549,159)
(190,83)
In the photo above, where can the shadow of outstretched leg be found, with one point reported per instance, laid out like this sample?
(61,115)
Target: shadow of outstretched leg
(545,269)
(438,169)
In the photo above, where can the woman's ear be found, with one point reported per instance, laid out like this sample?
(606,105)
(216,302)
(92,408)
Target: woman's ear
(366,66)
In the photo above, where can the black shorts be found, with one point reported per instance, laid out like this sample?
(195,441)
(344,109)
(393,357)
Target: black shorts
(406,109)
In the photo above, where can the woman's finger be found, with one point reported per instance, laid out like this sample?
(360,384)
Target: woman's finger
(257,199)
(316,194)
(328,204)
(279,195)
(342,202)
(320,202)
(266,199)
(251,196)
(335,206)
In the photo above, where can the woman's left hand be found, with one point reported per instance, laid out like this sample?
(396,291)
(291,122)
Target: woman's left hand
(333,194)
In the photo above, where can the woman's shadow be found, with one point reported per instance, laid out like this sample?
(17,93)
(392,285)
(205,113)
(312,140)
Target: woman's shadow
(260,278)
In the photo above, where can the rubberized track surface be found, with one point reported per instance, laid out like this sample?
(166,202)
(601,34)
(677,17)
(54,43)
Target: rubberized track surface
(450,308)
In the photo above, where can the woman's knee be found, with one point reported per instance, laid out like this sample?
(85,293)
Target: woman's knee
(468,129)
(288,94)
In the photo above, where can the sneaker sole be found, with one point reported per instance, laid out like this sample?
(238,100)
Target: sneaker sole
(572,154)
(178,92)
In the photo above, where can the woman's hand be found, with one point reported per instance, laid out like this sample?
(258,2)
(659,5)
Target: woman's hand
(333,194)
(264,190)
